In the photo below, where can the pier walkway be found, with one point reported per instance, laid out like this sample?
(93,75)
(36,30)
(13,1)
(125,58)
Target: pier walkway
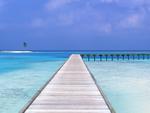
(71,90)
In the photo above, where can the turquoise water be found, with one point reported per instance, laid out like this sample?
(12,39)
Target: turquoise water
(22,75)
(125,83)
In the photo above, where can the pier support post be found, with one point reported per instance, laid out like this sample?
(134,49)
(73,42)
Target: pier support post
(133,56)
(138,55)
(100,56)
(128,56)
(94,56)
(106,57)
(123,56)
(112,57)
(82,55)
(147,56)
(117,56)
(143,56)
(88,56)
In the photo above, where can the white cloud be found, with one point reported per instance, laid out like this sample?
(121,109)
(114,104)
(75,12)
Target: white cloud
(87,16)
(132,21)
(56,4)
(127,2)
(108,1)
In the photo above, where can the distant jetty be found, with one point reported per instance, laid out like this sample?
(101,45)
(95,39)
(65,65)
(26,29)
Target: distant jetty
(116,56)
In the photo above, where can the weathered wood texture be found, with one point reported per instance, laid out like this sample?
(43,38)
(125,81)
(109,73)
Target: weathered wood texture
(72,90)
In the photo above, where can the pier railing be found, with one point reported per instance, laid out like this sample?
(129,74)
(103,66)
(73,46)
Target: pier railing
(115,56)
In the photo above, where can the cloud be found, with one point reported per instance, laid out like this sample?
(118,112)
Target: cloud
(108,1)
(92,15)
(127,2)
(56,4)
(85,18)
(132,21)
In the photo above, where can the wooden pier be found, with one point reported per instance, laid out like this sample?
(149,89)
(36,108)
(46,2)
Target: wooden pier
(116,56)
(71,90)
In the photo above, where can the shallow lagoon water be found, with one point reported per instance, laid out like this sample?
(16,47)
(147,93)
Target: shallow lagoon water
(21,76)
(125,83)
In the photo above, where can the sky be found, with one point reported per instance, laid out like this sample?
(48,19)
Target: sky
(75,24)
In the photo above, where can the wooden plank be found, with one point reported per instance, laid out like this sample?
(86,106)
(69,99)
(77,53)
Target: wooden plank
(72,90)
(68,111)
